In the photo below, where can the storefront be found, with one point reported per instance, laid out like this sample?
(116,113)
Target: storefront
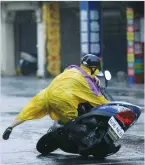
(117,36)
(23,30)
(58,33)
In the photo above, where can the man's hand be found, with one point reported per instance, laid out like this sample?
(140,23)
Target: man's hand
(7,133)
(97,81)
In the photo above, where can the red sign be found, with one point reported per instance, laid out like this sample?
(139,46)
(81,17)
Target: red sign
(130,28)
(130,71)
(130,49)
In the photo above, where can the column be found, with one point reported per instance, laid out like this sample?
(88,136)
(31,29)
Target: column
(7,44)
(90,25)
(53,39)
(40,45)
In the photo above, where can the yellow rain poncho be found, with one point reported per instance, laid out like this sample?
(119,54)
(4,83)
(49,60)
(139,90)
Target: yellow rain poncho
(61,98)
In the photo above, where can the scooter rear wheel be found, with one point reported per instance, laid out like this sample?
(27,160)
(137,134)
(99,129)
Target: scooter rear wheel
(46,144)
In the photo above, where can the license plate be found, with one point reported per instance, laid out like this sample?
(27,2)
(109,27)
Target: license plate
(116,127)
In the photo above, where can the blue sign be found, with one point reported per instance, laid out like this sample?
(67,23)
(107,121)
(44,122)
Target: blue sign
(90,27)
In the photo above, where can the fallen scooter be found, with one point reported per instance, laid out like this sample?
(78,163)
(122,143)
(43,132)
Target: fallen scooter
(107,125)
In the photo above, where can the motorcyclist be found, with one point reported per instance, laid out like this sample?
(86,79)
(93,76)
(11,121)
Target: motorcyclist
(61,98)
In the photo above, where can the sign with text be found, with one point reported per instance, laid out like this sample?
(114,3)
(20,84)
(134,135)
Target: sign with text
(90,27)
(130,44)
(51,19)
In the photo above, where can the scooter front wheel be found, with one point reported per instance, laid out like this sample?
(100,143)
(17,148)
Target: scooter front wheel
(46,144)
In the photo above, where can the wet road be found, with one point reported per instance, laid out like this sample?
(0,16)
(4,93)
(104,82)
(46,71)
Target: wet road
(20,148)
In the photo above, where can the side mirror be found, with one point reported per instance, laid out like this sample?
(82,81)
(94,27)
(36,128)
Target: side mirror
(107,75)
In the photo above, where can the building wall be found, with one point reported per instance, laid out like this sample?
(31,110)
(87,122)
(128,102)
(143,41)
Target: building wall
(115,33)
(25,33)
(7,54)
(7,43)
(70,38)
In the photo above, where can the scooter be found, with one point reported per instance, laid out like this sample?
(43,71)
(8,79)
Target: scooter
(27,64)
(99,132)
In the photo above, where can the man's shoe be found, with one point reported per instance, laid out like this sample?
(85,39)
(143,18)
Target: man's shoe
(7,133)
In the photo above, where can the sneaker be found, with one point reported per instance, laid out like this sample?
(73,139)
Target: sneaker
(7,133)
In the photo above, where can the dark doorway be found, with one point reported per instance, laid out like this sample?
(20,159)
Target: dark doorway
(70,36)
(25,34)
(114,37)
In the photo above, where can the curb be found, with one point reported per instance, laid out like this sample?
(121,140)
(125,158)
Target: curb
(125,89)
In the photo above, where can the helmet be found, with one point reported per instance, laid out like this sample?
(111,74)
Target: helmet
(92,62)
